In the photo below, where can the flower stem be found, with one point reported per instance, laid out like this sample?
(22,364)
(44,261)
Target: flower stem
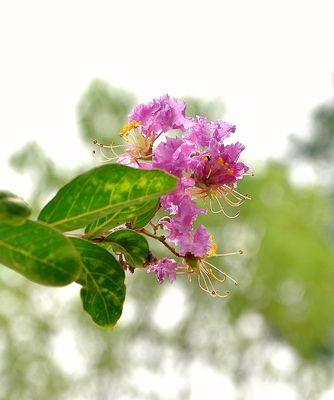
(161,239)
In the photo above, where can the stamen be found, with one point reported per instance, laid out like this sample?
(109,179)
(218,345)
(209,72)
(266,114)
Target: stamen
(214,291)
(222,209)
(230,192)
(234,253)
(103,153)
(229,201)
(107,146)
(103,161)
(209,173)
(111,148)
(144,157)
(129,128)
(215,277)
(222,295)
(157,136)
(244,196)
(233,192)
(199,282)
(205,277)
(223,273)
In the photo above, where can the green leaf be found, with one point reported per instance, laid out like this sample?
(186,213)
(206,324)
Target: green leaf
(133,245)
(102,278)
(112,189)
(13,209)
(139,220)
(40,253)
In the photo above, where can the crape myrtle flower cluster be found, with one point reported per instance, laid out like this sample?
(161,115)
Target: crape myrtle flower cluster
(160,135)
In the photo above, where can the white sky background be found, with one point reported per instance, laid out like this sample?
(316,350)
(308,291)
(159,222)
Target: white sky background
(270,61)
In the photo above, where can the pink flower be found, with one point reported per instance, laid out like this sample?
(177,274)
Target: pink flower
(197,244)
(233,151)
(221,129)
(173,156)
(186,212)
(127,159)
(164,268)
(218,165)
(206,169)
(201,131)
(183,210)
(161,114)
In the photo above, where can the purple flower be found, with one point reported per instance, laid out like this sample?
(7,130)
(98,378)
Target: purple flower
(183,209)
(221,129)
(186,212)
(164,268)
(173,156)
(233,151)
(218,165)
(197,244)
(127,159)
(202,131)
(206,169)
(161,114)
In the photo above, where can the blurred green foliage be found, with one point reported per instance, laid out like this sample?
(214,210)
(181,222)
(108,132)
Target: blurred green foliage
(102,111)
(284,296)
(47,177)
(212,109)
(318,148)
(292,267)
(27,371)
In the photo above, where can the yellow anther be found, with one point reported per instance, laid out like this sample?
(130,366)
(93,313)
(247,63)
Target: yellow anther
(221,162)
(128,128)
(213,249)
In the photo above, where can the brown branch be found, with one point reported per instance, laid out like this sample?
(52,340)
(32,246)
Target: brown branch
(161,239)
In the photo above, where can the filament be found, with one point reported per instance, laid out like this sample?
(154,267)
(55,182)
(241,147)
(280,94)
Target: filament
(222,209)
(205,277)
(227,215)
(234,253)
(244,196)
(209,173)
(144,157)
(157,136)
(233,192)
(103,161)
(223,273)
(111,148)
(199,283)
(216,277)
(214,292)
(229,201)
(104,155)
